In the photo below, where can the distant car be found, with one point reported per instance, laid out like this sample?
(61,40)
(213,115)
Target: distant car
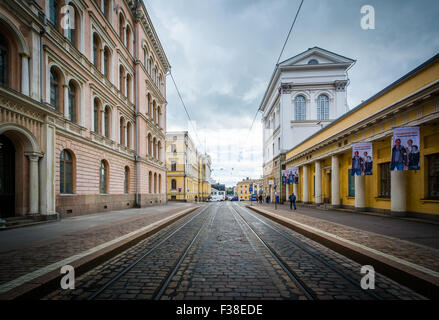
(234,199)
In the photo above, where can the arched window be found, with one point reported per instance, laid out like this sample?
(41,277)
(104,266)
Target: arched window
(55,87)
(73,102)
(128,37)
(96,113)
(313,61)
(103,177)
(160,183)
(155,182)
(149,65)
(73,32)
(128,87)
(106,66)
(149,144)
(154,111)
(150,182)
(96,51)
(107,121)
(128,134)
(122,131)
(126,180)
(53,12)
(145,57)
(106,8)
(158,115)
(323,107)
(173,184)
(159,147)
(4,61)
(121,27)
(148,101)
(66,172)
(300,108)
(122,79)
(154,145)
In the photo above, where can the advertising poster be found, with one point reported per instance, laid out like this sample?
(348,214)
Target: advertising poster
(284,176)
(405,149)
(362,159)
(293,175)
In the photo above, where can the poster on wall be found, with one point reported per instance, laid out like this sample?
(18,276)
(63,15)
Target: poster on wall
(293,175)
(284,176)
(362,159)
(405,149)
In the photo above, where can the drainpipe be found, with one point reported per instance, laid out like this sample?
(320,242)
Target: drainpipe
(136,99)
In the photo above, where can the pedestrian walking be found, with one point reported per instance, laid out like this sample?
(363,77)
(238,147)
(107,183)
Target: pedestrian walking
(292,201)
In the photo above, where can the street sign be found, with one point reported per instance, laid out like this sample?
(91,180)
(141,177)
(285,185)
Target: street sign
(270,180)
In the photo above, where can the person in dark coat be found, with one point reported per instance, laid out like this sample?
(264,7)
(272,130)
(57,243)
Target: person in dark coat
(292,201)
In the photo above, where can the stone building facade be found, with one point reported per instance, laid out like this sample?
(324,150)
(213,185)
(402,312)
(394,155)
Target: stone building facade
(325,158)
(189,170)
(82,110)
(306,93)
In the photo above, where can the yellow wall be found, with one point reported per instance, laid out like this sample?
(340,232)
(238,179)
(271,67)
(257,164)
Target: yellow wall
(379,130)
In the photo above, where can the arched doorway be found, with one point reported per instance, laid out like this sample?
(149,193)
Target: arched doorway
(7,177)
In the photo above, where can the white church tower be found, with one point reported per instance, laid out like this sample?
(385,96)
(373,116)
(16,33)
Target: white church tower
(305,93)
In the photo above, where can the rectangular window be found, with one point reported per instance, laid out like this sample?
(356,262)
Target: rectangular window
(173,148)
(384,180)
(433,176)
(351,184)
(173,166)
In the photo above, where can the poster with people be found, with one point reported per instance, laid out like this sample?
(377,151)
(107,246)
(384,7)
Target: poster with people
(293,175)
(405,149)
(284,177)
(362,159)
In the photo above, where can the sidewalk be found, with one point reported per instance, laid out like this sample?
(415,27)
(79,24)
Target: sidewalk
(423,233)
(29,257)
(407,247)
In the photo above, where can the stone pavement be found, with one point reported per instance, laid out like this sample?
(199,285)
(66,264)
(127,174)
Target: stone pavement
(26,250)
(215,254)
(416,242)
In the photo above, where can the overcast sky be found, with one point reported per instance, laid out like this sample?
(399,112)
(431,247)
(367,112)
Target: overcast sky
(223,52)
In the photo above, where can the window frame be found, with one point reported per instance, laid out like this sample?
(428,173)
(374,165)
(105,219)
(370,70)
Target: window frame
(429,176)
(63,165)
(384,187)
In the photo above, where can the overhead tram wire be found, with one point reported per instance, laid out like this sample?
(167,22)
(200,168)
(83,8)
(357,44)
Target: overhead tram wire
(184,106)
(280,55)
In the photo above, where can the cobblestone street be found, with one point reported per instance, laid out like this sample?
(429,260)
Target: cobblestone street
(226,251)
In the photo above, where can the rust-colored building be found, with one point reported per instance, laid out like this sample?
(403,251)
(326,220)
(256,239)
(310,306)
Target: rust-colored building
(82,110)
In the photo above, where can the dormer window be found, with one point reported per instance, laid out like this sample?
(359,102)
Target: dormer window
(313,61)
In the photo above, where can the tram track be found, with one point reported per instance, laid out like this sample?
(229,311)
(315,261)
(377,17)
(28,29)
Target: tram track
(309,293)
(157,245)
(355,283)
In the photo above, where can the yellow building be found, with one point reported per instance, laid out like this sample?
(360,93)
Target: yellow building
(242,189)
(188,177)
(325,158)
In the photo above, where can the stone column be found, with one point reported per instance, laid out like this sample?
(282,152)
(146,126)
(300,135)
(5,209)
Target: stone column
(360,194)
(33,182)
(47,169)
(335,181)
(398,203)
(103,124)
(25,74)
(66,101)
(305,198)
(318,175)
(296,190)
